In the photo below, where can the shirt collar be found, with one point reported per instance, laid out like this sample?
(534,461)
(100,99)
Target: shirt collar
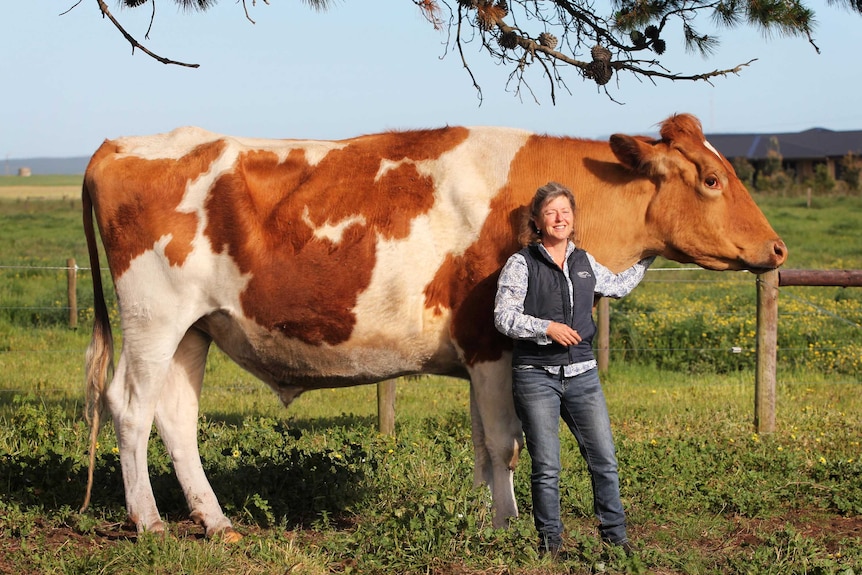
(570,247)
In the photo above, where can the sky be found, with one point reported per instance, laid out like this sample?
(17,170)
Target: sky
(69,81)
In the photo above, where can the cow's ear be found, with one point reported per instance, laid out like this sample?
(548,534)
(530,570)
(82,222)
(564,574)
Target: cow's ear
(637,154)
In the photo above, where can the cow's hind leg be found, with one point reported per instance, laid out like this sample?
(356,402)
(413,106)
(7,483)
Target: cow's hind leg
(131,399)
(497,436)
(176,419)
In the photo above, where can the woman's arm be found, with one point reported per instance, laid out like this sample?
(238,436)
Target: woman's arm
(618,285)
(509,316)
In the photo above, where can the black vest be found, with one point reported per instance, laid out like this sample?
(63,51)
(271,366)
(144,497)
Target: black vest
(548,298)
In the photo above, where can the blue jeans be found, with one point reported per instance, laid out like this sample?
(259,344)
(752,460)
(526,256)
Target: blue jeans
(541,399)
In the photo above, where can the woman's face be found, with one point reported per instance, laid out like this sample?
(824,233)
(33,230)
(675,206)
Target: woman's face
(556,220)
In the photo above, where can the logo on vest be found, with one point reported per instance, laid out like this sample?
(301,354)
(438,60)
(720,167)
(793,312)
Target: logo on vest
(584,275)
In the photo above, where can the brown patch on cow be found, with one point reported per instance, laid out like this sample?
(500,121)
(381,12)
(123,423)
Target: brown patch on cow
(304,285)
(135,201)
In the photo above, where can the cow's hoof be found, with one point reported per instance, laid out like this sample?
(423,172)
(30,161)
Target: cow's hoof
(229,535)
(156,527)
(218,530)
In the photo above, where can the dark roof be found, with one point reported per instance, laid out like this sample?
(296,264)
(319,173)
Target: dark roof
(815,143)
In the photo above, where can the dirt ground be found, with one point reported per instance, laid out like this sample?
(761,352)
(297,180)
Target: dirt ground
(829,530)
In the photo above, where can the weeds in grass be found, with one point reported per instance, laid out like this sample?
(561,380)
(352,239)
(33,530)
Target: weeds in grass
(365,503)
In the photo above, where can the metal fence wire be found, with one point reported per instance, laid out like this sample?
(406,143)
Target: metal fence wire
(656,323)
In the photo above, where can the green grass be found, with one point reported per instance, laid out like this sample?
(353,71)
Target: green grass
(316,489)
(44,233)
(824,236)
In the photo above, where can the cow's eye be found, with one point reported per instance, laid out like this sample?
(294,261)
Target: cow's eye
(712,183)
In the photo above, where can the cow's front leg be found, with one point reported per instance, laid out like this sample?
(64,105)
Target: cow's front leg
(497,435)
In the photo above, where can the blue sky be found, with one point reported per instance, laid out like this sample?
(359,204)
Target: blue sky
(70,81)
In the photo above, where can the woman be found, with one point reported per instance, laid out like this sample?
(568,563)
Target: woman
(544,302)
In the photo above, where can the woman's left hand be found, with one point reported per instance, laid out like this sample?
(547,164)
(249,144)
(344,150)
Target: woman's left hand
(563,334)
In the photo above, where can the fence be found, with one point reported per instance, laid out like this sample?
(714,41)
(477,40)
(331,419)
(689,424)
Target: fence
(767,330)
(767,285)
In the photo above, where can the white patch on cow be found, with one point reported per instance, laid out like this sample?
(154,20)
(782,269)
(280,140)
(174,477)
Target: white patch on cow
(179,142)
(176,295)
(170,145)
(711,148)
(328,231)
(314,150)
(466,179)
(198,189)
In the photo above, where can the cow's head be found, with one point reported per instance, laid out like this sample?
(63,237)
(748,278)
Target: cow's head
(701,212)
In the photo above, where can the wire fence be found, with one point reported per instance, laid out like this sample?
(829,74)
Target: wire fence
(656,323)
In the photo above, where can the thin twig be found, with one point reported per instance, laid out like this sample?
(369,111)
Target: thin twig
(245,9)
(72,7)
(464,59)
(135,44)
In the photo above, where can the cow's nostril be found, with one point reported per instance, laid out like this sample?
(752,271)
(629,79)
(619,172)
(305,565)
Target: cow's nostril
(780,251)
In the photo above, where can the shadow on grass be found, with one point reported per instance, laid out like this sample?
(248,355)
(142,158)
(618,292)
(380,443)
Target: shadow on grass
(264,472)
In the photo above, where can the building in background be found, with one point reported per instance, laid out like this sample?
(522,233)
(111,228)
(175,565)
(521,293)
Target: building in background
(800,152)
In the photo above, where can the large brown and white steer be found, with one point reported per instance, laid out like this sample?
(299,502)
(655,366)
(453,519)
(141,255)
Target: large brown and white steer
(332,263)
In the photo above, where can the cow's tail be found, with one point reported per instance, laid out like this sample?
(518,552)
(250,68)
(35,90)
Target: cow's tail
(100,353)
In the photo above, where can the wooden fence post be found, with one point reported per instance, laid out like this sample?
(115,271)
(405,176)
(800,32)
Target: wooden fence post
(386,407)
(767,343)
(72,291)
(603,337)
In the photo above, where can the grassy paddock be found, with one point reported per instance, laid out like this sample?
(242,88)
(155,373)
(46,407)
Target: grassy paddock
(38,188)
(41,181)
(316,490)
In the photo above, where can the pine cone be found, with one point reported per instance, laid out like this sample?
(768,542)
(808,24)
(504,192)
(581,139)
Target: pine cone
(508,40)
(599,71)
(601,53)
(659,46)
(651,32)
(548,40)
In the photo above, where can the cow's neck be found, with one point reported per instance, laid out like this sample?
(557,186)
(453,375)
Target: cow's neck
(611,225)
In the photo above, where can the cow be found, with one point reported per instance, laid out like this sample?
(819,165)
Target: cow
(316,264)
